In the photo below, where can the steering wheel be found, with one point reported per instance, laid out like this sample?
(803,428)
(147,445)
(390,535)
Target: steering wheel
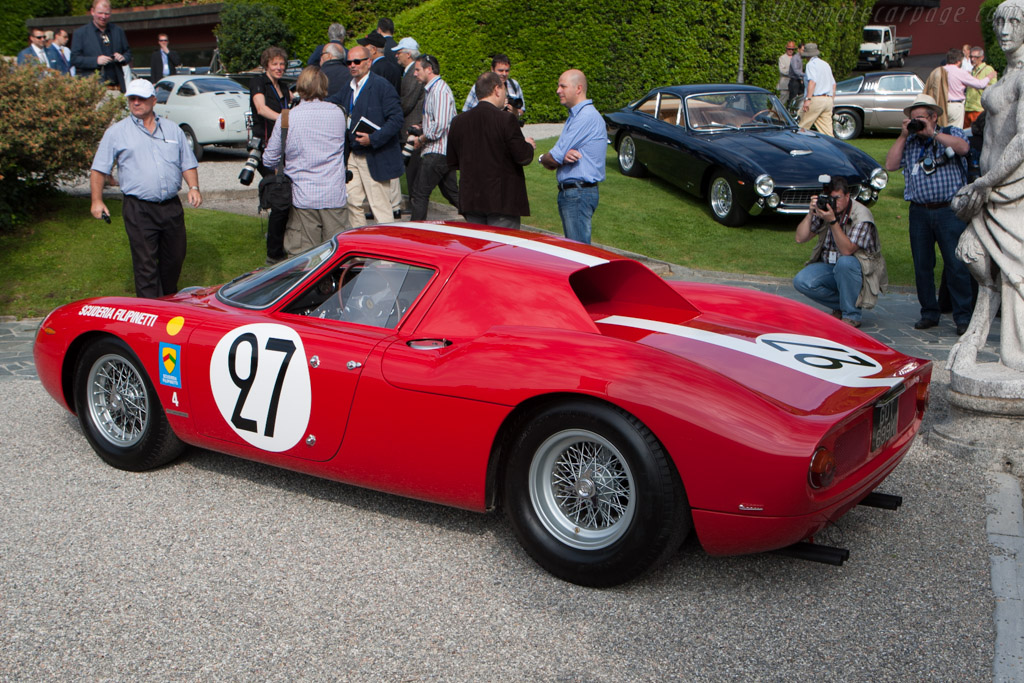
(766,116)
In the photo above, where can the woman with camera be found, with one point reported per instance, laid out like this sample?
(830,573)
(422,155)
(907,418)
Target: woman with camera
(268,97)
(314,159)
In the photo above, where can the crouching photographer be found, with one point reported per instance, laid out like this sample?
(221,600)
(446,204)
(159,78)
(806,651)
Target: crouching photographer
(846,271)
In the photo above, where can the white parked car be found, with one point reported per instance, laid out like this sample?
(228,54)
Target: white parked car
(211,110)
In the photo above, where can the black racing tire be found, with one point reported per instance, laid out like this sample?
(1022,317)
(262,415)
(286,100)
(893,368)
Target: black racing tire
(723,202)
(119,410)
(592,496)
(847,124)
(629,164)
(197,149)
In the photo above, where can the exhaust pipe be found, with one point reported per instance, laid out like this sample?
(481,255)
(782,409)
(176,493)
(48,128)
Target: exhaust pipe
(814,552)
(882,500)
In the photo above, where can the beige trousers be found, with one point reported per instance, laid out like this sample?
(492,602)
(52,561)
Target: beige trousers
(362,188)
(818,114)
(310,227)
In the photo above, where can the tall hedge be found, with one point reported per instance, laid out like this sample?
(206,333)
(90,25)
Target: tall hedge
(13,34)
(994,54)
(626,48)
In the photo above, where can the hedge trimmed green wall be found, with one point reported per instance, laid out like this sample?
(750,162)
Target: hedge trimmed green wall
(625,49)
(994,55)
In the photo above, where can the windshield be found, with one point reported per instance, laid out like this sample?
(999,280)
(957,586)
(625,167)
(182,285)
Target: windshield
(217,85)
(734,110)
(261,288)
(849,85)
(872,35)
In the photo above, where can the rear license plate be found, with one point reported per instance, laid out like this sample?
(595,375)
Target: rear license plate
(886,420)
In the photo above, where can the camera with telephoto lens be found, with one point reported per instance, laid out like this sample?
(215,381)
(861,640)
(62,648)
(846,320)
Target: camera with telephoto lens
(825,200)
(915,126)
(252,162)
(410,142)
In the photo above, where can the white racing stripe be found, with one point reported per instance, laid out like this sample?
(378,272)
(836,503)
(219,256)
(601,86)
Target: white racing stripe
(823,359)
(511,240)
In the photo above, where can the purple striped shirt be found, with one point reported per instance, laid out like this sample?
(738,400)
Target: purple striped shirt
(438,112)
(315,157)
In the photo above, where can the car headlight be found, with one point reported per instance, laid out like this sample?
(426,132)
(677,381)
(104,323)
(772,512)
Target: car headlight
(764,185)
(879,178)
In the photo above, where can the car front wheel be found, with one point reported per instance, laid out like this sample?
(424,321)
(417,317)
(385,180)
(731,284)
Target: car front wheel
(629,165)
(847,124)
(723,202)
(592,496)
(119,411)
(190,137)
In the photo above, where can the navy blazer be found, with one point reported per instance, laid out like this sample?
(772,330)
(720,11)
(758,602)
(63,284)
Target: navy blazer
(377,102)
(28,56)
(85,48)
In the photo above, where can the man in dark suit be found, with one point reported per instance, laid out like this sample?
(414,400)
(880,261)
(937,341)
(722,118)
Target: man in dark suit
(165,61)
(376,155)
(386,29)
(487,146)
(102,47)
(387,70)
(332,64)
(407,51)
(38,52)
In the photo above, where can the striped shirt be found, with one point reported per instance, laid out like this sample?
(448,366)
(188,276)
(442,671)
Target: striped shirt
(315,154)
(858,224)
(438,112)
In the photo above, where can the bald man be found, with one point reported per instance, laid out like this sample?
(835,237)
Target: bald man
(578,157)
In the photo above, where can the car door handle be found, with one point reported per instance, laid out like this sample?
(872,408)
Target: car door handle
(353,364)
(427,344)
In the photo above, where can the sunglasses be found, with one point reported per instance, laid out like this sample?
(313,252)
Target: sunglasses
(350,62)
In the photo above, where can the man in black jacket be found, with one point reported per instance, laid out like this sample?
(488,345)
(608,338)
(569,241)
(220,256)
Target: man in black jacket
(389,71)
(102,47)
(487,146)
(165,61)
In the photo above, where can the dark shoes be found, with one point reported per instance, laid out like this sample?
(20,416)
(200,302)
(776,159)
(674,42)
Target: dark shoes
(925,323)
(960,329)
(851,322)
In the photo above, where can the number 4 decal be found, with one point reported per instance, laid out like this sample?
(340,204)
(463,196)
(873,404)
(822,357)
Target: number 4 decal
(260,392)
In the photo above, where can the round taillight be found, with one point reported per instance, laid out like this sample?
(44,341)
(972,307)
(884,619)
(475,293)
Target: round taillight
(823,469)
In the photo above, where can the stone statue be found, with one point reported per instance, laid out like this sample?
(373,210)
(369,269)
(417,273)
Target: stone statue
(993,205)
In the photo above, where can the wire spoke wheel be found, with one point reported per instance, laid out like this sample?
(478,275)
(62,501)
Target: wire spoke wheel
(582,489)
(118,401)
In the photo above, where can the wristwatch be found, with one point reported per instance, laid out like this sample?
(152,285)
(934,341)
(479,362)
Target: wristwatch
(194,187)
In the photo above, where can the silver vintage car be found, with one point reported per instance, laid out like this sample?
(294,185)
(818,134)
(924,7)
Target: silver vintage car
(872,101)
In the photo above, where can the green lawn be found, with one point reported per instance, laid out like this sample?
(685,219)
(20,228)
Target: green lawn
(65,254)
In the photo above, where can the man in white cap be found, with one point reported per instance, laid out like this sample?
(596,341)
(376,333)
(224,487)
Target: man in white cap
(412,96)
(932,159)
(152,156)
(821,92)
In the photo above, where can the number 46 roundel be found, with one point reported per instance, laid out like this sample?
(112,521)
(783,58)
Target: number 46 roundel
(261,385)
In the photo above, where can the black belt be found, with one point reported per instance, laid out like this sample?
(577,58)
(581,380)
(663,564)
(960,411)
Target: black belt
(956,100)
(574,183)
(148,201)
(930,205)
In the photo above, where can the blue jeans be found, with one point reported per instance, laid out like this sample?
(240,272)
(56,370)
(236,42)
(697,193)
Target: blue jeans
(929,227)
(576,205)
(836,287)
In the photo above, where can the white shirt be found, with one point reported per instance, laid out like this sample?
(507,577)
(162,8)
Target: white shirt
(820,72)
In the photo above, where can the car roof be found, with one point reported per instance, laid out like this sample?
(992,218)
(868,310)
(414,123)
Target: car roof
(191,77)
(706,88)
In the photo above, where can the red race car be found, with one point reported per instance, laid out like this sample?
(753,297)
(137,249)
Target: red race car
(607,410)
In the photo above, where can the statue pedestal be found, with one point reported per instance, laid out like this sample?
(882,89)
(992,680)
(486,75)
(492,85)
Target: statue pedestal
(986,414)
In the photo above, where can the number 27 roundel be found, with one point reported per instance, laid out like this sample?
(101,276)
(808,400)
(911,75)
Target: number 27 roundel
(260,382)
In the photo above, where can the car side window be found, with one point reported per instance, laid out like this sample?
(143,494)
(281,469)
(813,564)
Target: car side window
(668,110)
(186,90)
(901,83)
(364,290)
(649,106)
(163,91)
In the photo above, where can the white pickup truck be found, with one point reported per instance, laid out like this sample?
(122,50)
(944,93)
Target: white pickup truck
(882,48)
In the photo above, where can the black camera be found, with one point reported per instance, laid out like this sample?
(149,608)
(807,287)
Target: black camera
(915,126)
(410,142)
(825,201)
(515,102)
(252,162)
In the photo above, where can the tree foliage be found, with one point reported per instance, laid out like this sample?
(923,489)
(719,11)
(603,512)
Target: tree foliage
(13,34)
(627,48)
(50,125)
(245,30)
(994,55)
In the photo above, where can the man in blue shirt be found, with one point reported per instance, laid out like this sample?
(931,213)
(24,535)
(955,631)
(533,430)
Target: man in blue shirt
(932,159)
(152,155)
(578,157)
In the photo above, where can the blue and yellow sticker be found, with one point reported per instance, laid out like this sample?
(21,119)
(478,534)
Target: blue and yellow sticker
(170,365)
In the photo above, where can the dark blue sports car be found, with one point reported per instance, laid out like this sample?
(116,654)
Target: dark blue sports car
(737,146)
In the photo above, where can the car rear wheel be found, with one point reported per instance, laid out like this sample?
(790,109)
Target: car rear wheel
(119,411)
(197,149)
(847,124)
(628,163)
(723,203)
(592,496)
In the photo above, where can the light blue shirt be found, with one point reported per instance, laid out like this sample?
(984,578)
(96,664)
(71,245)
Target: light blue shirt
(149,164)
(820,72)
(585,131)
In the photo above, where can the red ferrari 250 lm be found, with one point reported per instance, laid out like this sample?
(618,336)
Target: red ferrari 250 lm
(610,412)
